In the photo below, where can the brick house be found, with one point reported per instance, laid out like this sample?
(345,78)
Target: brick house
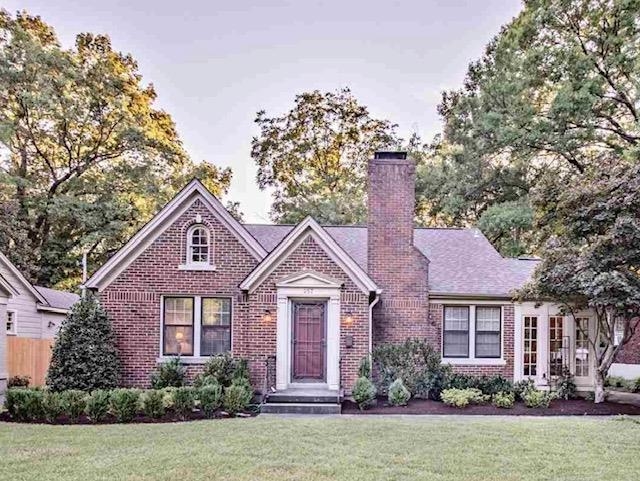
(304,304)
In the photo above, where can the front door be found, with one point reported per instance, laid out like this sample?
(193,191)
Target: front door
(309,341)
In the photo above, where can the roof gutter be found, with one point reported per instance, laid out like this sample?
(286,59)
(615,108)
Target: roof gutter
(56,310)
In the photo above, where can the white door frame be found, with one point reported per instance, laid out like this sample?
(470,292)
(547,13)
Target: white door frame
(307,286)
(543,312)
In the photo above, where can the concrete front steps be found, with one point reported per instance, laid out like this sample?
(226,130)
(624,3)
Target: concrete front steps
(302,401)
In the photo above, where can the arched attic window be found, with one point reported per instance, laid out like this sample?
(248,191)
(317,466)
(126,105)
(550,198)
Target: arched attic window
(198,245)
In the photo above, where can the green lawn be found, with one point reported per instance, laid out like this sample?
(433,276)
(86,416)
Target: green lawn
(347,448)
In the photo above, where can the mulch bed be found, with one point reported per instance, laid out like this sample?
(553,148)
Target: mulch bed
(559,407)
(169,417)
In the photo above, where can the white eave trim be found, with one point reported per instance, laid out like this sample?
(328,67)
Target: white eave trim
(56,310)
(309,227)
(161,221)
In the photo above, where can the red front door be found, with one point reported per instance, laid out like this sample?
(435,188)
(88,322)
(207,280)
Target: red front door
(308,341)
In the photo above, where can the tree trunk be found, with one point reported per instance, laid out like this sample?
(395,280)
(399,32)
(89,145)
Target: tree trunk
(599,395)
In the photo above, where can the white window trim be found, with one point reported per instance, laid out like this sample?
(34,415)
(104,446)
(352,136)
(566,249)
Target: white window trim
(14,332)
(189,265)
(196,358)
(472,360)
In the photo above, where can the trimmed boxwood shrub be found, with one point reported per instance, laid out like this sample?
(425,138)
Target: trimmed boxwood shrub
(124,404)
(168,374)
(210,396)
(24,404)
(461,398)
(84,355)
(504,400)
(364,392)
(52,406)
(153,403)
(399,395)
(489,385)
(74,403)
(236,398)
(98,405)
(184,399)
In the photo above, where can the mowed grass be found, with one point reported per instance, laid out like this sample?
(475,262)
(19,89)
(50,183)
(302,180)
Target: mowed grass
(336,448)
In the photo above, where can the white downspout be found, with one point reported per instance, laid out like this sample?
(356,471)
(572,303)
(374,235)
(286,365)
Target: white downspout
(371,306)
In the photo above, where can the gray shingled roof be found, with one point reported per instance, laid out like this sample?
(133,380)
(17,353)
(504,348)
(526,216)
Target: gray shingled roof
(461,261)
(58,299)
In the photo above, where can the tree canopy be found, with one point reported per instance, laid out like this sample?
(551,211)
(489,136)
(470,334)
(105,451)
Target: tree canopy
(85,156)
(557,89)
(315,157)
(591,258)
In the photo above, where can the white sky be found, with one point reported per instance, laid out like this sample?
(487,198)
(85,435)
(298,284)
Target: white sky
(215,64)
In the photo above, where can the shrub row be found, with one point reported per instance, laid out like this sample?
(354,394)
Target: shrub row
(222,369)
(124,405)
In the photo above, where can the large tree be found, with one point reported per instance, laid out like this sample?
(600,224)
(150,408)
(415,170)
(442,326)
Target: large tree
(591,258)
(315,156)
(556,89)
(85,156)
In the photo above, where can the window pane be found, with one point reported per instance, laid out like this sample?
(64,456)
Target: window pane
(178,311)
(216,312)
(215,340)
(488,344)
(456,318)
(11,322)
(488,319)
(178,340)
(456,344)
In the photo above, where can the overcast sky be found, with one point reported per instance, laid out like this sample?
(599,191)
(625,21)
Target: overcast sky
(214,64)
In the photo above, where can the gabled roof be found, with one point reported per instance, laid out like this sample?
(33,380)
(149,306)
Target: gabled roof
(46,299)
(23,280)
(292,239)
(58,299)
(162,221)
(462,261)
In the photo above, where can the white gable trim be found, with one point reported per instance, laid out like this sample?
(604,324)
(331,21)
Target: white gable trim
(310,280)
(7,288)
(14,270)
(161,222)
(297,235)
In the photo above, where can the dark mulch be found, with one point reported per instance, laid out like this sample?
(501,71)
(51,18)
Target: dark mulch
(559,407)
(169,417)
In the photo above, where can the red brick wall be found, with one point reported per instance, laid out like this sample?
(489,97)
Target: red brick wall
(393,261)
(630,352)
(133,298)
(259,338)
(436,316)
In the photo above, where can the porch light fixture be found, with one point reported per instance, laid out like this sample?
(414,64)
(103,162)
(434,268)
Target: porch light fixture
(348,318)
(267,317)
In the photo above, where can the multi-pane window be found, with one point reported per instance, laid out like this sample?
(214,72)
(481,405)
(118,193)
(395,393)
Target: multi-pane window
(556,346)
(178,326)
(488,322)
(618,331)
(11,323)
(198,245)
(215,336)
(530,351)
(582,347)
(456,331)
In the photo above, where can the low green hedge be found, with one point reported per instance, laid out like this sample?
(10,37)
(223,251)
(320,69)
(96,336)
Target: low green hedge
(125,405)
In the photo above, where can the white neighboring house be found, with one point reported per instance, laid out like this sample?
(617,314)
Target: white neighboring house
(27,311)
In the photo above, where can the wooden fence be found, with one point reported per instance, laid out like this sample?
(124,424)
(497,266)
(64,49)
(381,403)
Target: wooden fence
(29,357)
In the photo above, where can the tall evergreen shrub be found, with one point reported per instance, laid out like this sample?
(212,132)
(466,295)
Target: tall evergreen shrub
(84,354)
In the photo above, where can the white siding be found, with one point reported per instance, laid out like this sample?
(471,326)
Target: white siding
(29,319)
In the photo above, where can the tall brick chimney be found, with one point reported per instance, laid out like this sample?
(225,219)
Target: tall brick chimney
(394,263)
